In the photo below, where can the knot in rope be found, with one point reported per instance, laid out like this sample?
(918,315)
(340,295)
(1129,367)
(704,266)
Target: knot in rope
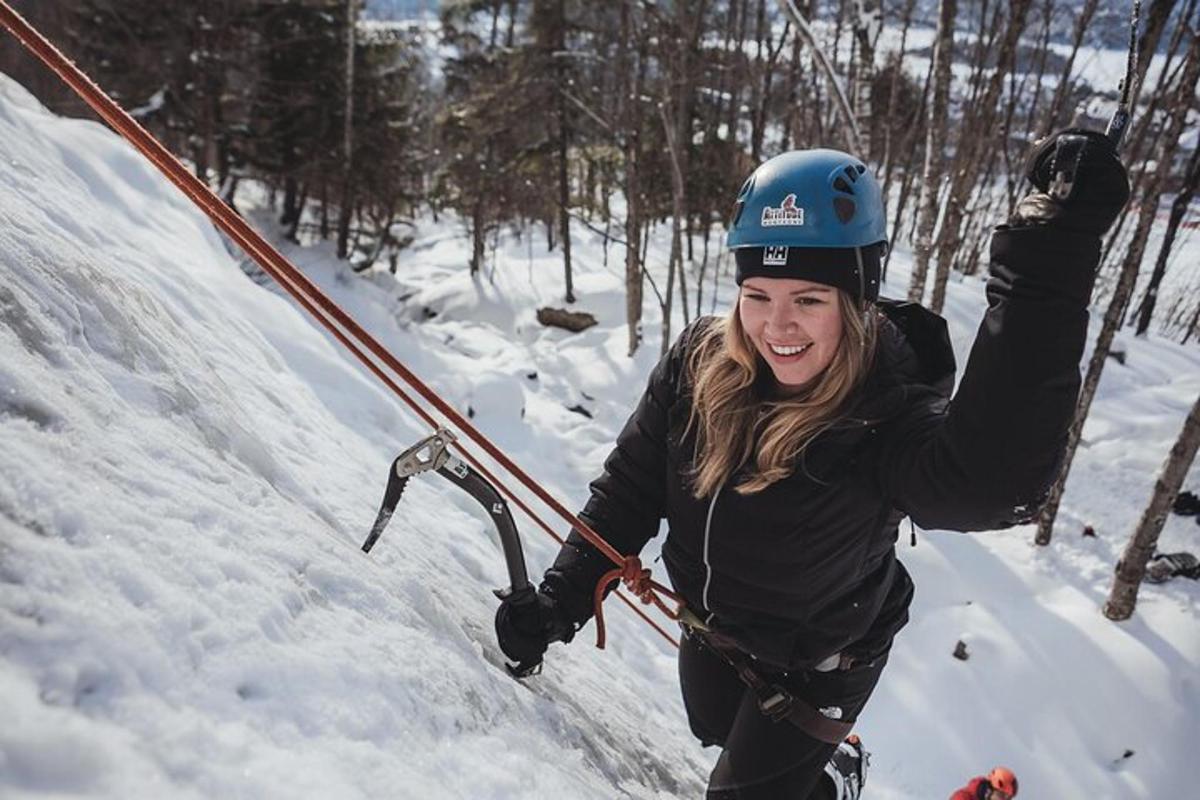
(637,579)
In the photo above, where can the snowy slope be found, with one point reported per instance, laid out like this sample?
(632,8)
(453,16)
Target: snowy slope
(188,466)
(187,470)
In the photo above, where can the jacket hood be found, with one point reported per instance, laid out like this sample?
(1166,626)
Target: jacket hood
(913,355)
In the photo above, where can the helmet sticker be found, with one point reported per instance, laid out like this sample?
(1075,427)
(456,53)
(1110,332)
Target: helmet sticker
(775,256)
(788,213)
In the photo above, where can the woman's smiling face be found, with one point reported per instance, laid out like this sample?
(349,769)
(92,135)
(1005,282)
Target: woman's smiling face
(796,326)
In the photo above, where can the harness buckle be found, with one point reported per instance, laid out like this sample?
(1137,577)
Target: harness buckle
(691,622)
(776,703)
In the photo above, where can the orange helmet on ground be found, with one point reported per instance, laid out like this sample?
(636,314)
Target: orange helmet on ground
(1003,779)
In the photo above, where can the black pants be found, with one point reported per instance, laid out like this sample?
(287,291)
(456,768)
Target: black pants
(762,759)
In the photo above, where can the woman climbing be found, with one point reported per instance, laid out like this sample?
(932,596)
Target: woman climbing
(784,444)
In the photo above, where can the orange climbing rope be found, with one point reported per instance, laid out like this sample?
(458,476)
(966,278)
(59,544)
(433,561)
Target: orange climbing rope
(340,324)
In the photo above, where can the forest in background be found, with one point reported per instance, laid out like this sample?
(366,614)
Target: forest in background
(523,114)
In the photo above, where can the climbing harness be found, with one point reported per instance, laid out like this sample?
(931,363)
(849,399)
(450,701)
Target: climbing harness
(774,700)
(373,355)
(1069,149)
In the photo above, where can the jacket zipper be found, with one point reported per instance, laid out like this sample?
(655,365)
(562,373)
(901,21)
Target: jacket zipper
(712,504)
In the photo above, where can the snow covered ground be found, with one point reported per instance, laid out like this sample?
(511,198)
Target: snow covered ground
(187,468)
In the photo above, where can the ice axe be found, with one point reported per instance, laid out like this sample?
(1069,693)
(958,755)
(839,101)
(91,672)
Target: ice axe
(432,454)
(1069,150)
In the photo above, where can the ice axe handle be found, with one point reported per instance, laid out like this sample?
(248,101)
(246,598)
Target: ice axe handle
(1117,127)
(486,495)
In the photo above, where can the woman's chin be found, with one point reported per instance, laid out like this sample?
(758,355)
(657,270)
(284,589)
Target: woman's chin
(792,381)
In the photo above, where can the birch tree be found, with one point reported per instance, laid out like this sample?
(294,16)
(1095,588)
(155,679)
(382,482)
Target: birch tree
(1179,208)
(629,61)
(347,205)
(1179,104)
(935,143)
(1132,567)
(977,135)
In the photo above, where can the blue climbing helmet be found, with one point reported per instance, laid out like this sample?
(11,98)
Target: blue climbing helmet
(811,214)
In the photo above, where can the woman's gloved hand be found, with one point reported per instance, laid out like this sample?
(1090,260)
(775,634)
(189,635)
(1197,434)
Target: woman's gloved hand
(526,622)
(1080,183)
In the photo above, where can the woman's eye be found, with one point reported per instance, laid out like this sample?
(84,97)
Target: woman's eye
(808,301)
(757,297)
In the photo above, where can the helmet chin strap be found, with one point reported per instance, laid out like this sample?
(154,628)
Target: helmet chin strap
(863,305)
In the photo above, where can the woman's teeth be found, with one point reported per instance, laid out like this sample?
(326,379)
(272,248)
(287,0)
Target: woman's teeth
(789,351)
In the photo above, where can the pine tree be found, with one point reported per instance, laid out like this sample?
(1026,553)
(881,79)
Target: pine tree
(293,136)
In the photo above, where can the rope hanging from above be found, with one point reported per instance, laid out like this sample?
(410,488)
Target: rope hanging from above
(373,355)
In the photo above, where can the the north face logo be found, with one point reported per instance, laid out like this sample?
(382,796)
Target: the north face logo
(788,213)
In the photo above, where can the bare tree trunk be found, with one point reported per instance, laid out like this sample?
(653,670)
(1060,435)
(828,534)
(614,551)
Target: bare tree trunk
(791,122)
(803,30)
(759,121)
(512,20)
(901,203)
(1179,104)
(1178,209)
(908,145)
(1132,567)
(633,206)
(757,101)
(690,24)
(1192,327)
(345,212)
(1141,127)
(977,135)
(735,86)
(1048,7)
(564,199)
(935,145)
(985,36)
(564,135)
(868,22)
(677,210)
(893,93)
(479,224)
(1156,20)
(1061,91)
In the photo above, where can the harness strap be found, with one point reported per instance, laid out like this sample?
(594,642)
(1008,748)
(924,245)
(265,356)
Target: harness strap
(776,702)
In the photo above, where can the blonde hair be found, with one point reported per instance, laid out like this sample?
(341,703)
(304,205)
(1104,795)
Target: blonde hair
(738,424)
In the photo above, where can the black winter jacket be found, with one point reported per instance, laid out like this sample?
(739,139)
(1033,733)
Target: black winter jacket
(807,567)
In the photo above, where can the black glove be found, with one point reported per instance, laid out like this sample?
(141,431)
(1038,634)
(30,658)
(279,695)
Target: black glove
(1081,183)
(526,622)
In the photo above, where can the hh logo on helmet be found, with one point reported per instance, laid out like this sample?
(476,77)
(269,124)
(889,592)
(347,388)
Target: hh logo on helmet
(775,256)
(788,213)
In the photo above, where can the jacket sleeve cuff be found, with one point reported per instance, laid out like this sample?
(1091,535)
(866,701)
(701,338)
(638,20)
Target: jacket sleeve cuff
(1046,258)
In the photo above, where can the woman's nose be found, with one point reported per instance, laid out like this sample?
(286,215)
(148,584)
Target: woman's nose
(783,317)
